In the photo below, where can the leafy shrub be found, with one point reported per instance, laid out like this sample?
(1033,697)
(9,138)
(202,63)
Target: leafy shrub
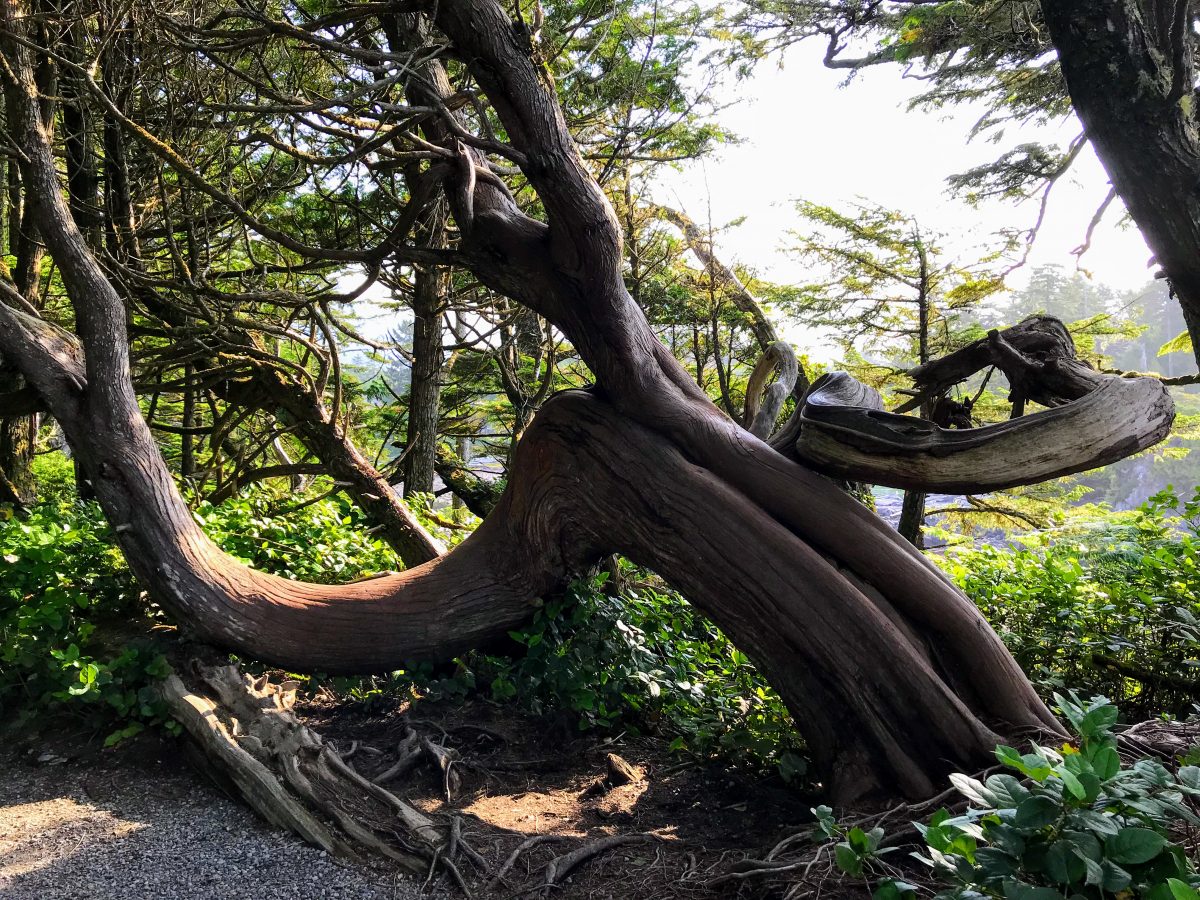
(1113,610)
(62,580)
(67,599)
(323,542)
(641,657)
(1079,823)
(55,477)
(1070,822)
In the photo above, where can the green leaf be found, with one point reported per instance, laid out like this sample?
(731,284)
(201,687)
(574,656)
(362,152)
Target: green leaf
(1036,812)
(1015,890)
(792,766)
(891,889)
(1133,846)
(847,860)
(1009,756)
(1062,864)
(1097,821)
(973,790)
(1072,784)
(1106,763)
(1115,878)
(1008,790)
(1181,890)
(1189,777)
(1181,343)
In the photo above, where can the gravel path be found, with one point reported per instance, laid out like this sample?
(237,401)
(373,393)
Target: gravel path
(155,831)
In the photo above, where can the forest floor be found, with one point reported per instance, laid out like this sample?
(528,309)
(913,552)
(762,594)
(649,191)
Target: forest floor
(137,821)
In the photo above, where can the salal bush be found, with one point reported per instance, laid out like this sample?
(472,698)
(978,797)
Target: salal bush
(1061,822)
(638,656)
(61,579)
(74,626)
(328,541)
(1113,610)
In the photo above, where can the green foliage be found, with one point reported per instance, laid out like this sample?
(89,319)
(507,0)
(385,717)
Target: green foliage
(325,542)
(857,850)
(73,624)
(1181,343)
(642,658)
(887,288)
(55,476)
(1089,610)
(1076,823)
(64,586)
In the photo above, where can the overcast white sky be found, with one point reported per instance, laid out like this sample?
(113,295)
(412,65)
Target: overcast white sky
(806,136)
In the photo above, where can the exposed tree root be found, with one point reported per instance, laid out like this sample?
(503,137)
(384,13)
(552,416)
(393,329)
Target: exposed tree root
(561,866)
(1166,740)
(408,755)
(250,739)
(527,844)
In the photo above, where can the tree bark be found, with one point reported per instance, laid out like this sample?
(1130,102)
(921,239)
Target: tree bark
(912,518)
(1092,419)
(1131,78)
(478,495)
(18,438)
(425,392)
(891,673)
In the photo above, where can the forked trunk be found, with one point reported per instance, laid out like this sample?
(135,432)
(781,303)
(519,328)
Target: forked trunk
(890,672)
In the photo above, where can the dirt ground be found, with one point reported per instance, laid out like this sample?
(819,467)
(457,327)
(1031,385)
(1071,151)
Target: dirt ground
(87,823)
(519,777)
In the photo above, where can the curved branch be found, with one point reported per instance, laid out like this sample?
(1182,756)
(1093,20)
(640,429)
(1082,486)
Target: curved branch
(1121,417)
(1092,420)
(763,406)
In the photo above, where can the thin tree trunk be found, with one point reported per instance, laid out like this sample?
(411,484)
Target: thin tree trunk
(912,511)
(18,439)
(425,392)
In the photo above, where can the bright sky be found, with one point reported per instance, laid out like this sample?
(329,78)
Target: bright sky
(806,136)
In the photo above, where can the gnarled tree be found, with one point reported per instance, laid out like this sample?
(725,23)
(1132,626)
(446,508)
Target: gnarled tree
(891,673)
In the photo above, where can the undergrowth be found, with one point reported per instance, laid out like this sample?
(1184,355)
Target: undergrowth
(1113,610)
(1073,821)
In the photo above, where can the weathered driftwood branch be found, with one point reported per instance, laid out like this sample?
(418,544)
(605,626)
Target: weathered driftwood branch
(763,401)
(1092,419)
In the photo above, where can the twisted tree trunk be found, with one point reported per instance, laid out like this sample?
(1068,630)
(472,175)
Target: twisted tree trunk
(890,672)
